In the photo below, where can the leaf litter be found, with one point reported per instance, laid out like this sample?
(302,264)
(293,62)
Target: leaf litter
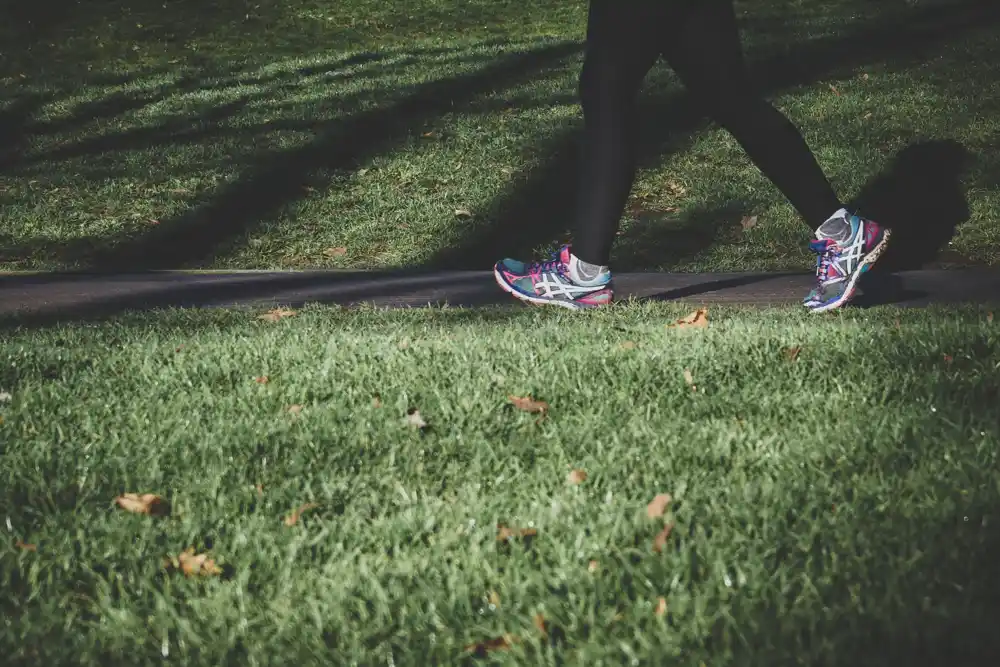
(147,503)
(193,564)
(277,314)
(297,513)
(529,404)
(697,319)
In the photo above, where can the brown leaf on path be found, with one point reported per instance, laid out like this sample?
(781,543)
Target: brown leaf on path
(661,607)
(660,540)
(576,477)
(528,404)
(153,222)
(698,318)
(481,649)
(414,419)
(427,135)
(262,379)
(792,353)
(24,546)
(539,621)
(297,513)
(748,222)
(658,505)
(277,314)
(147,503)
(194,565)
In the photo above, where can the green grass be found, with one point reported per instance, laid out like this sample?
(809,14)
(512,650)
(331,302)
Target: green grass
(261,135)
(839,508)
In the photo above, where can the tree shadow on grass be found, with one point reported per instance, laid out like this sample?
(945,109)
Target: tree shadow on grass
(536,211)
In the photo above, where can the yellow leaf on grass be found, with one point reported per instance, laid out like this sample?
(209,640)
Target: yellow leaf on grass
(660,540)
(147,503)
(576,476)
(277,314)
(528,404)
(658,505)
(539,621)
(297,513)
(481,649)
(494,598)
(194,565)
(698,318)
(505,532)
(661,607)
(593,566)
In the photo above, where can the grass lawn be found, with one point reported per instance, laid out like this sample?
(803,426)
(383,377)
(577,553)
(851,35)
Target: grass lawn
(834,480)
(438,133)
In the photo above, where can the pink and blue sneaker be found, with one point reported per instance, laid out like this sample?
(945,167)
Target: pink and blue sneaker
(562,281)
(846,247)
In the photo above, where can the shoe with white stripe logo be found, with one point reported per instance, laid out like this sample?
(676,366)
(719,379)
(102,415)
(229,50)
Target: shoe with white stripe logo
(557,282)
(847,246)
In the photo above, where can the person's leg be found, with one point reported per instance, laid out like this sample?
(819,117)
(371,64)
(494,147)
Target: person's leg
(706,54)
(623,43)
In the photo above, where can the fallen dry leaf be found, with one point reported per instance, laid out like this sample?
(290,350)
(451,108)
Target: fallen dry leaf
(628,345)
(593,566)
(698,318)
(339,251)
(539,621)
(294,409)
(576,477)
(749,222)
(834,89)
(277,314)
(497,644)
(262,379)
(414,419)
(260,489)
(660,540)
(147,503)
(194,565)
(868,116)
(153,222)
(297,513)
(505,532)
(427,135)
(528,404)
(661,607)
(689,380)
(658,505)
(463,213)
(494,598)
(792,353)
(676,188)
(24,546)
(376,401)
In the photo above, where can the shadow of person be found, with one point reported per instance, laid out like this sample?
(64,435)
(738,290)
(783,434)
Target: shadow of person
(921,200)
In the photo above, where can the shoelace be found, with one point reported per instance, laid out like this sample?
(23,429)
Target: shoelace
(554,264)
(826,255)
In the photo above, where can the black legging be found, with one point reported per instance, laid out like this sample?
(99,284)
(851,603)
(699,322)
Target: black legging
(699,39)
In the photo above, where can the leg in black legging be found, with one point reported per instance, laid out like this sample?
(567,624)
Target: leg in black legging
(706,54)
(623,43)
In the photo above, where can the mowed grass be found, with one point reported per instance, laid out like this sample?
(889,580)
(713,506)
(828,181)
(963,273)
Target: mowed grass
(363,134)
(834,480)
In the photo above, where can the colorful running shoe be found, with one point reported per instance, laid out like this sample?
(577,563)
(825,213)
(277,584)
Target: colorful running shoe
(561,281)
(846,247)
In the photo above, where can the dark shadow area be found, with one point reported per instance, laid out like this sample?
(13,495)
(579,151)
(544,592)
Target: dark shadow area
(537,211)
(279,179)
(921,199)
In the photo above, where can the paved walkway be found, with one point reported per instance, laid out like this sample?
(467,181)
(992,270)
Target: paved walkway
(30,298)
